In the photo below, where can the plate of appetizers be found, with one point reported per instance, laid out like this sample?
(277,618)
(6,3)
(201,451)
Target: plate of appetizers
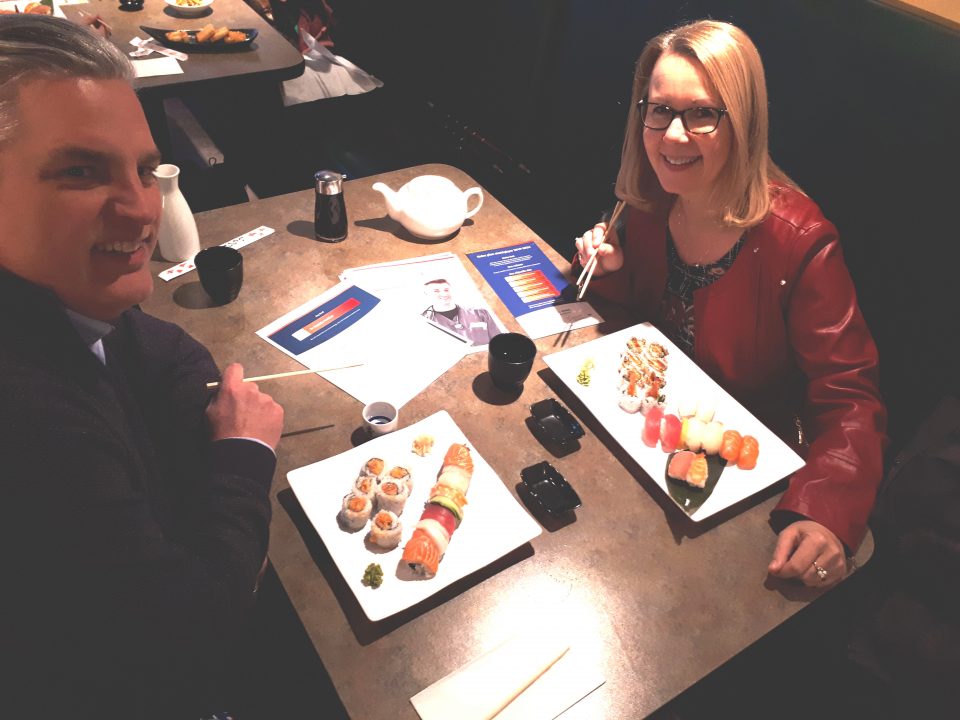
(206,39)
(702,447)
(406,514)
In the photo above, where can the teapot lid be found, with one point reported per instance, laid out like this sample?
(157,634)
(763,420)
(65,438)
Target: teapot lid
(328,182)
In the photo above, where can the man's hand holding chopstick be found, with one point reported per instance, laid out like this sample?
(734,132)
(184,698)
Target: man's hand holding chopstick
(240,410)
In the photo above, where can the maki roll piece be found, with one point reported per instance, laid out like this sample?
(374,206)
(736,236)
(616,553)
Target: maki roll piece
(713,437)
(366,485)
(651,427)
(630,403)
(399,475)
(449,519)
(355,511)
(670,433)
(385,530)
(749,452)
(392,495)
(372,468)
(437,533)
(730,446)
(421,554)
(454,477)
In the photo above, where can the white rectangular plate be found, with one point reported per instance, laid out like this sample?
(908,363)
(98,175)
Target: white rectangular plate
(684,380)
(494,523)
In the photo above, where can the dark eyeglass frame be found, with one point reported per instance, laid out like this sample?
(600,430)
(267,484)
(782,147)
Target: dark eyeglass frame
(683,116)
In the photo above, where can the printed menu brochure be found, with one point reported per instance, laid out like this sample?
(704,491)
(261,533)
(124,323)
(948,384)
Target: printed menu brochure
(534,290)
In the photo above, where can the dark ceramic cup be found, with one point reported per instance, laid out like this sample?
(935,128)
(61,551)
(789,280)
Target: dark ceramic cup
(510,358)
(221,272)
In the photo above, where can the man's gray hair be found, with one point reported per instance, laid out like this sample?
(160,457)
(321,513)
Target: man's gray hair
(34,46)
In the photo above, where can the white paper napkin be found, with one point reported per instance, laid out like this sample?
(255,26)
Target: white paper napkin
(325,75)
(532,676)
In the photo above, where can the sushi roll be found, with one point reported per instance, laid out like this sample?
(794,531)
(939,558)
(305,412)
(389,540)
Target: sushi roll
(399,475)
(670,433)
(366,485)
(630,403)
(449,519)
(392,495)
(421,554)
(691,434)
(649,402)
(385,530)
(651,427)
(712,437)
(455,477)
(372,468)
(437,532)
(355,511)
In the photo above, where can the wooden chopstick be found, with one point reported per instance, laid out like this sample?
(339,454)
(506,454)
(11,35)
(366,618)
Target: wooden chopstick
(591,263)
(288,374)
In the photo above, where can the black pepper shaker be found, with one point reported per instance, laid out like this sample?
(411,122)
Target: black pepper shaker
(330,212)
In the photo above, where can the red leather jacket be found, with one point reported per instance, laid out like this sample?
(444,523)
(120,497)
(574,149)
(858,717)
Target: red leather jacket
(781,331)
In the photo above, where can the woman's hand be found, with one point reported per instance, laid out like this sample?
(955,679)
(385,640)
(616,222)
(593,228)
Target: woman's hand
(804,548)
(610,254)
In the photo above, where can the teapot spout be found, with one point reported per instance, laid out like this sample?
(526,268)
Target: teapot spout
(391,198)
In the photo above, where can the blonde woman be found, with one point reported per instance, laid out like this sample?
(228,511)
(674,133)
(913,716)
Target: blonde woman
(720,250)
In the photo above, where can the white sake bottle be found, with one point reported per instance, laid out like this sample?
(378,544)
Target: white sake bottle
(177,236)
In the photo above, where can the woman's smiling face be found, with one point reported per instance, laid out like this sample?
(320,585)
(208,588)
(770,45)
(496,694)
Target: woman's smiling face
(686,164)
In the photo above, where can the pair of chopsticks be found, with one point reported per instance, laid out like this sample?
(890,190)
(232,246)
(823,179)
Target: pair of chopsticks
(289,374)
(591,263)
(96,22)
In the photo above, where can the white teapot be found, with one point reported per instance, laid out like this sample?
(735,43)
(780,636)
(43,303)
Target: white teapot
(429,206)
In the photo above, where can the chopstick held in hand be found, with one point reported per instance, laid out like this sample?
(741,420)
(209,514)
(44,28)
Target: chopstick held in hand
(289,374)
(592,261)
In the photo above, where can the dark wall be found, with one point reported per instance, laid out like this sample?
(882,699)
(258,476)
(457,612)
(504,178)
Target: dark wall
(530,98)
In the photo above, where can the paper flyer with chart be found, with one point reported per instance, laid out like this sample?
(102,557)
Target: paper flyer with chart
(534,290)
(396,354)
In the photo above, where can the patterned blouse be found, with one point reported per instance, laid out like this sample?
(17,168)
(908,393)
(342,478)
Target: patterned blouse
(682,280)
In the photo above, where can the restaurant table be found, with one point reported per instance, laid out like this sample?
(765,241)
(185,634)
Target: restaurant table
(663,600)
(270,59)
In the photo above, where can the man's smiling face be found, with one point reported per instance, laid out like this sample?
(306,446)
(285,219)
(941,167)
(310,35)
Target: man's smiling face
(80,205)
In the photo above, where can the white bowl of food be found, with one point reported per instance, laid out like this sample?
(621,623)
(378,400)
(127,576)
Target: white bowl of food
(189,8)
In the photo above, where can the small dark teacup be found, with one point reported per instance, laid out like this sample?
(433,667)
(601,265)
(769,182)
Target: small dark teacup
(131,5)
(221,272)
(510,358)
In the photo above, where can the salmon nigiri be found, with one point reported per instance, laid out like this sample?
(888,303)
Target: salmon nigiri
(749,451)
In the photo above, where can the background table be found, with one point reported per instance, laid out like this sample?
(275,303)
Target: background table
(663,601)
(245,74)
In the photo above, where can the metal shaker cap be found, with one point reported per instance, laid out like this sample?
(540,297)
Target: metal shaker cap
(328,182)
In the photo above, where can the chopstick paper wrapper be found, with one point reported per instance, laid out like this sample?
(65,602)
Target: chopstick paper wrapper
(506,683)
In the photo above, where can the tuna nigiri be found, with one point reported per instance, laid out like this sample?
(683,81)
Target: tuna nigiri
(669,433)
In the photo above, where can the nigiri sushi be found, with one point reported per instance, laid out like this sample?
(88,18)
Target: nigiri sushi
(698,472)
(730,446)
(651,427)
(669,433)
(691,433)
(690,467)
(712,437)
(749,451)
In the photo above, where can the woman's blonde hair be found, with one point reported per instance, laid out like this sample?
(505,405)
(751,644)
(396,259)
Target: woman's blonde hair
(732,66)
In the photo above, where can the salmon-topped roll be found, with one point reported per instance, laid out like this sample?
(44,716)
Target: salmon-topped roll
(459,455)
(422,554)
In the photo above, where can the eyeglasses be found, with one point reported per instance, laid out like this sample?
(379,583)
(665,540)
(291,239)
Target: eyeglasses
(696,120)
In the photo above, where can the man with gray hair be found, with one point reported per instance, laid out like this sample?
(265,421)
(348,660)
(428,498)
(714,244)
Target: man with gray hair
(135,509)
